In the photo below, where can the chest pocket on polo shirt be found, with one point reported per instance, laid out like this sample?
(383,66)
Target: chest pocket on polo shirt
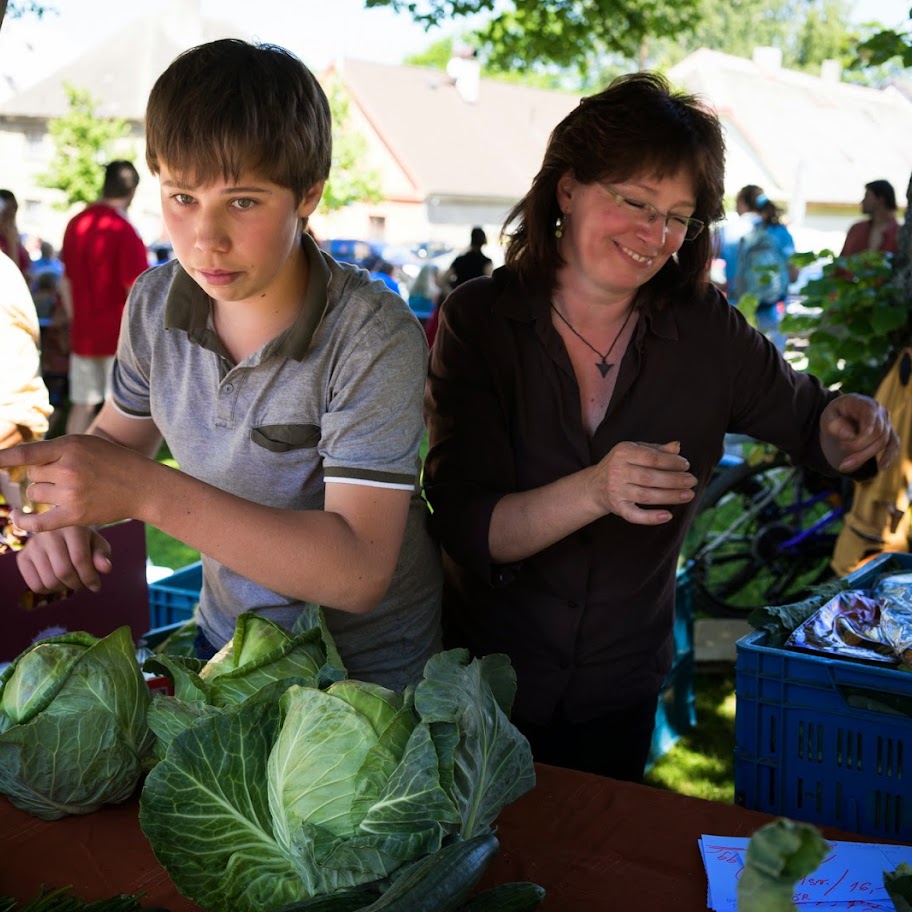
(282,438)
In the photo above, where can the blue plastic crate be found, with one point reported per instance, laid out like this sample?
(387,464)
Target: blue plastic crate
(676,712)
(174,598)
(825,740)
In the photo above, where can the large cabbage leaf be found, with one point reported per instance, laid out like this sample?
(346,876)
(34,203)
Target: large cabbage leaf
(490,760)
(83,734)
(205,809)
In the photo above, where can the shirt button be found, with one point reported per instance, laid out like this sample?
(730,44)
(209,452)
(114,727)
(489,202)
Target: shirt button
(229,388)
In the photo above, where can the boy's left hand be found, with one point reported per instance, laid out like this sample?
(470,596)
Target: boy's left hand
(854,429)
(84,480)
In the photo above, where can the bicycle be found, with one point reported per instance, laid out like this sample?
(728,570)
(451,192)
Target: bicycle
(764,534)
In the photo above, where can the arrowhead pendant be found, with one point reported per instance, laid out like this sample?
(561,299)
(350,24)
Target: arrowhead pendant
(603,367)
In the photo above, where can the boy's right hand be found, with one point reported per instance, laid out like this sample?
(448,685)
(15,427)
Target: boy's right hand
(71,558)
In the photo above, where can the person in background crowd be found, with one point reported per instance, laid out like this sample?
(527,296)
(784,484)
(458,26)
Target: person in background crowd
(10,239)
(102,255)
(728,233)
(384,272)
(424,295)
(55,343)
(47,264)
(880,230)
(471,264)
(577,402)
(24,402)
(763,268)
(287,386)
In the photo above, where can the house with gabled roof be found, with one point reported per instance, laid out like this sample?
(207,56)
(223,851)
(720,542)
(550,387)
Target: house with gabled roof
(812,142)
(454,150)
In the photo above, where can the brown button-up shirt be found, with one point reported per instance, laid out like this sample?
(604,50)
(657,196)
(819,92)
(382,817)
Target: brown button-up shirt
(588,621)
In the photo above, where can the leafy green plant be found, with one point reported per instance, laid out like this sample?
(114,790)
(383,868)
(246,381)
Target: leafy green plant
(862,323)
(299,791)
(83,143)
(73,732)
(898,884)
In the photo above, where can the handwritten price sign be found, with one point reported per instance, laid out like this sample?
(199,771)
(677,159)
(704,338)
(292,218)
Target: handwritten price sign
(850,877)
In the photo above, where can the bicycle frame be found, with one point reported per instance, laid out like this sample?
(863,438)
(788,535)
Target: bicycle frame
(774,531)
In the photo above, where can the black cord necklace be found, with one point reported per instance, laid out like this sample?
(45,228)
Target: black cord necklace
(603,365)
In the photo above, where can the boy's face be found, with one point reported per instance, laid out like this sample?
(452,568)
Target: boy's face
(239,240)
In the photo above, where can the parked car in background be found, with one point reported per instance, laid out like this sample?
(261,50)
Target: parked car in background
(348,250)
(407,260)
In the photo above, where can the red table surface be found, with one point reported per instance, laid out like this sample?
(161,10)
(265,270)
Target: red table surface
(592,843)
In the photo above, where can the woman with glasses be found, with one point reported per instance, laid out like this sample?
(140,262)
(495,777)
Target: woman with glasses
(576,404)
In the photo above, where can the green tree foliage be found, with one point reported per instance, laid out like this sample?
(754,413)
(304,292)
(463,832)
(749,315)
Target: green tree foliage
(349,181)
(807,32)
(84,143)
(544,76)
(436,55)
(15,10)
(887,46)
(581,46)
(574,34)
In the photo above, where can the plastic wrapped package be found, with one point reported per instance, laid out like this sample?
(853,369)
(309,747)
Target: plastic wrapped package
(870,625)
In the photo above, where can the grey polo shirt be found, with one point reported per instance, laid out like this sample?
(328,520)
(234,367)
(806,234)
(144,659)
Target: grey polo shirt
(334,399)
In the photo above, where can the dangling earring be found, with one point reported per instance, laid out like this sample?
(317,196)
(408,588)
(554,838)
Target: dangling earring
(559,227)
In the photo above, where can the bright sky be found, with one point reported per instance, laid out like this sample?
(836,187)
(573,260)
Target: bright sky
(319,31)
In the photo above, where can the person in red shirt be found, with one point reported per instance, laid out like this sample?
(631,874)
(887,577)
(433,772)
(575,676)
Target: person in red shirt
(881,230)
(102,255)
(10,244)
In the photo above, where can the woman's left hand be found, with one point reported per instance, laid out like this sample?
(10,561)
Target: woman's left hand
(854,429)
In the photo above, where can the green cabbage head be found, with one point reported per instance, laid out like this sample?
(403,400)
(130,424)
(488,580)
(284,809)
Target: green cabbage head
(73,730)
(260,653)
(300,791)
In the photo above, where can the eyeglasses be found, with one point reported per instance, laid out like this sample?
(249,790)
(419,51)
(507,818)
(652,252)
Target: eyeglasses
(678,227)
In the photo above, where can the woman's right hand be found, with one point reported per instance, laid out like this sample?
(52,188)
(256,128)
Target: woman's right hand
(71,558)
(635,478)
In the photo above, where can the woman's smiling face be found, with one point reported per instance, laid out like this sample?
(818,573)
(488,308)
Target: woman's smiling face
(611,243)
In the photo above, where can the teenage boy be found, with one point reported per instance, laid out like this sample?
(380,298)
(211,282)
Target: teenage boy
(287,386)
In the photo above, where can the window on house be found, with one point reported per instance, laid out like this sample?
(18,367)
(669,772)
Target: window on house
(376,228)
(35,145)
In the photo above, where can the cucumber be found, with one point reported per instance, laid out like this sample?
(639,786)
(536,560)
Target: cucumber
(442,881)
(349,901)
(520,896)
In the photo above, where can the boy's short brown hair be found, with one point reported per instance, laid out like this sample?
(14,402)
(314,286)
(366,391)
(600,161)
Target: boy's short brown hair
(229,106)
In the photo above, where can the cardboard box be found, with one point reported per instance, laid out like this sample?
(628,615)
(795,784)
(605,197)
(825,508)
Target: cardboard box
(123,599)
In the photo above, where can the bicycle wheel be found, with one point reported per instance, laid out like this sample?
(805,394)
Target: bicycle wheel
(763,535)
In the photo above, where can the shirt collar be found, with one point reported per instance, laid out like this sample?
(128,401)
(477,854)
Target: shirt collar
(528,308)
(187,307)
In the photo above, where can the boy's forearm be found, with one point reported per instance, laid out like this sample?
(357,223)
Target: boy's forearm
(310,555)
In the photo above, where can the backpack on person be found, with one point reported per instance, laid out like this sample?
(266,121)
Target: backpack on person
(760,267)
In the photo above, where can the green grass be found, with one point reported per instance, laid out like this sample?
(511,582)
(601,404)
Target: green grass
(701,764)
